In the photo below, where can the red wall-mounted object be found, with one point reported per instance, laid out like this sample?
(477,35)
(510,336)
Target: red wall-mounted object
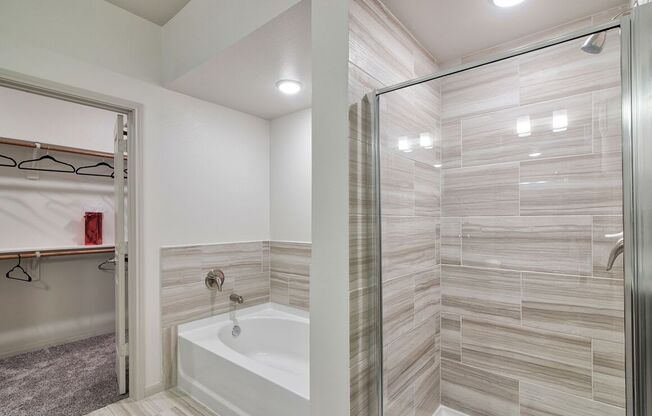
(93,228)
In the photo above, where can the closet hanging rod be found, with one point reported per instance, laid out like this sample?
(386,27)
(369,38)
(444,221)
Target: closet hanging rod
(56,253)
(56,148)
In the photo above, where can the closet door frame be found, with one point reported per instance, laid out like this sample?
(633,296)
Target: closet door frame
(136,291)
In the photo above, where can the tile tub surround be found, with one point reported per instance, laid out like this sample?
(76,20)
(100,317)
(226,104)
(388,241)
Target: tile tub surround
(247,268)
(532,323)
(290,273)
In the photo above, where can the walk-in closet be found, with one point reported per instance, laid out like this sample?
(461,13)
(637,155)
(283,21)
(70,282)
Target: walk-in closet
(63,256)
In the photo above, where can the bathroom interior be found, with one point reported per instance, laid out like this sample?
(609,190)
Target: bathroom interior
(325,207)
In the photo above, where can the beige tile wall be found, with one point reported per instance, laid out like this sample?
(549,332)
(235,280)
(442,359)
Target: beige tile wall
(496,300)
(382,52)
(247,268)
(532,323)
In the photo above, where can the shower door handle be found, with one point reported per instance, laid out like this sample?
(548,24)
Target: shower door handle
(615,252)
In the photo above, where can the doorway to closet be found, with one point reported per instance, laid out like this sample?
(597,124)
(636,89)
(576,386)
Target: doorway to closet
(63,256)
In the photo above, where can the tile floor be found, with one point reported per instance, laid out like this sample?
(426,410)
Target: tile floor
(167,403)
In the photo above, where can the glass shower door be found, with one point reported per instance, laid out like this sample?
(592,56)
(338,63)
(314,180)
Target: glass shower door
(501,201)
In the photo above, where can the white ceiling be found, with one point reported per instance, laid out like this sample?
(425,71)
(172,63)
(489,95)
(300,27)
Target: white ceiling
(156,11)
(243,76)
(450,29)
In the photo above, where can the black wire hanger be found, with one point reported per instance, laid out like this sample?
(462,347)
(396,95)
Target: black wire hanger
(12,162)
(97,165)
(68,167)
(19,268)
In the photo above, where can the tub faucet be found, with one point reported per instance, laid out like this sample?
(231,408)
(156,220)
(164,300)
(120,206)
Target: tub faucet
(236,298)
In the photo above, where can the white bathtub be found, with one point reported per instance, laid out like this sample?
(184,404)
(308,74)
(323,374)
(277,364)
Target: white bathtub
(262,372)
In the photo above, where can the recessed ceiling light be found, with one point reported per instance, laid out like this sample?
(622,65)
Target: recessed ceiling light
(507,3)
(288,86)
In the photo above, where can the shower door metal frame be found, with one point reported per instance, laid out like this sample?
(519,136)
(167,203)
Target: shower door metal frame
(637,368)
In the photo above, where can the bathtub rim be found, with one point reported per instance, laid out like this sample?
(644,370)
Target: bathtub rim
(190,333)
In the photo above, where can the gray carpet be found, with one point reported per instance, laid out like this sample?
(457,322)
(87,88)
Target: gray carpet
(68,380)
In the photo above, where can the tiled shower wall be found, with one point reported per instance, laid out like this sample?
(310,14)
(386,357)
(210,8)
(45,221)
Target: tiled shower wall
(259,271)
(383,53)
(526,321)
(532,323)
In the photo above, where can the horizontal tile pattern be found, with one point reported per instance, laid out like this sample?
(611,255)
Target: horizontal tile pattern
(542,357)
(377,44)
(409,357)
(290,273)
(426,190)
(559,244)
(584,306)
(451,240)
(451,133)
(477,392)
(409,245)
(397,184)
(565,70)
(609,372)
(427,295)
(427,388)
(451,342)
(480,90)
(589,184)
(184,296)
(403,119)
(486,190)
(493,137)
(482,293)
(537,401)
(398,307)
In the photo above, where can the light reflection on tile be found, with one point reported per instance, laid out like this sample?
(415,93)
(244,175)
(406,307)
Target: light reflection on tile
(493,137)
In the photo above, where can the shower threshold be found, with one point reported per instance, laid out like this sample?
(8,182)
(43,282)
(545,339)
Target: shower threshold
(447,411)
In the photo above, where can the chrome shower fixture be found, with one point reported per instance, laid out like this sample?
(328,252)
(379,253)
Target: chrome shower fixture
(595,42)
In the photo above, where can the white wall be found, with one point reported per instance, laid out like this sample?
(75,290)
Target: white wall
(291,177)
(205,167)
(205,27)
(72,299)
(59,122)
(49,28)
(329,271)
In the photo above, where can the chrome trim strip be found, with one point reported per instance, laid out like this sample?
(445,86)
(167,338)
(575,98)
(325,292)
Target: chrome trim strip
(378,258)
(628,213)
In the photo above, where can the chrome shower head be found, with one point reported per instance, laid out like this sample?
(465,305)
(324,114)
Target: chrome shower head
(594,43)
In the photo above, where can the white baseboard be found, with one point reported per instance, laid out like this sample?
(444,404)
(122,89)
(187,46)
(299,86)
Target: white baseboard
(24,343)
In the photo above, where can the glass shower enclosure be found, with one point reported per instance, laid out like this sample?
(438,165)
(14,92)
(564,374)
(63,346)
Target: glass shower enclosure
(505,197)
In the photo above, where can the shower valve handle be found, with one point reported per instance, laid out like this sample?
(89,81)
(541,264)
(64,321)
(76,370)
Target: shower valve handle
(215,279)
